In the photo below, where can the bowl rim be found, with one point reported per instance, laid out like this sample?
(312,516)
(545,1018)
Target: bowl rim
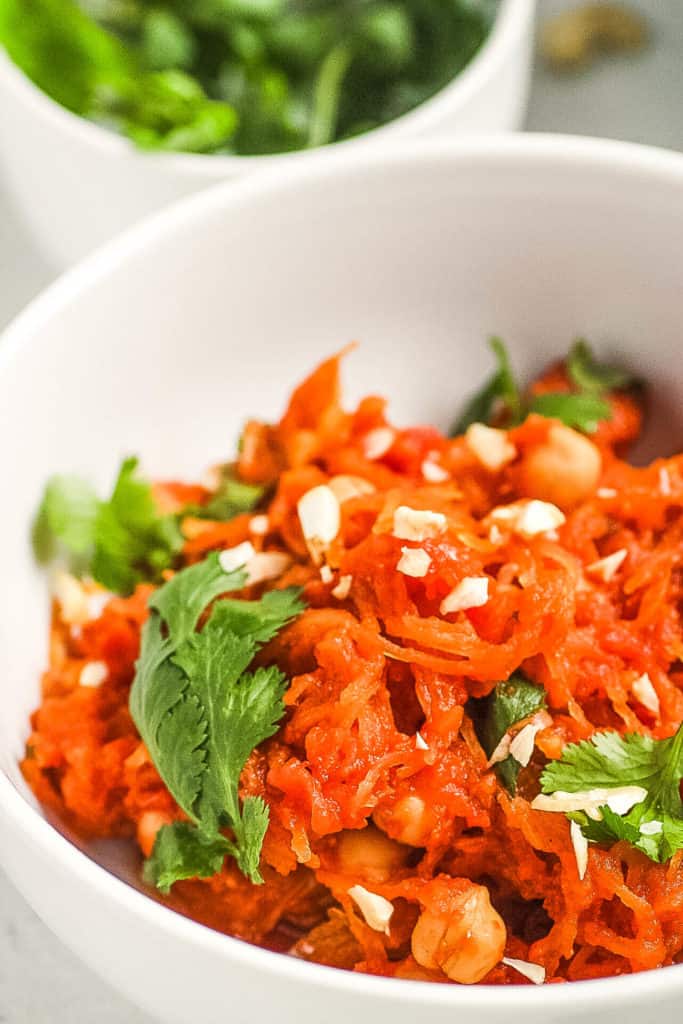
(619,160)
(512,20)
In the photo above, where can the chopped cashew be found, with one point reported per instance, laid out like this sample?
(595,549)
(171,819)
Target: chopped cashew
(375,909)
(93,673)
(619,799)
(235,558)
(491,447)
(580,844)
(534,972)
(472,592)
(378,442)
(343,588)
(320,519)
(644,691)
(413,562)
(418,524)
(433,472)
(606,568)
(528,518)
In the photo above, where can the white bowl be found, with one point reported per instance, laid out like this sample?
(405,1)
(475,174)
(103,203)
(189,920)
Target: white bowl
(168,338)
(78,184)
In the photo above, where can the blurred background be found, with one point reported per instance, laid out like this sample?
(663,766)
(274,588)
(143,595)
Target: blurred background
(635,95)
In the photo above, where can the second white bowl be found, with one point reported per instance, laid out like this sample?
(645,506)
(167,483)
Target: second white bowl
(78,184)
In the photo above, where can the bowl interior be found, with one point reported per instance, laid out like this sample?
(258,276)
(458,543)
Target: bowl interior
(167,341)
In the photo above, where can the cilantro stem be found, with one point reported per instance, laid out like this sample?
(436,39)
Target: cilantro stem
(327,95)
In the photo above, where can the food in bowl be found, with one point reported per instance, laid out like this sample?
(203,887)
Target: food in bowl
(383,699)
(244,77)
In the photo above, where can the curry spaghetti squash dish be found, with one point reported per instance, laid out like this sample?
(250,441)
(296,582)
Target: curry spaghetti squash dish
(387,700)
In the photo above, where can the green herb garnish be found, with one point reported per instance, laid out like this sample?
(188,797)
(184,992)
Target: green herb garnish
(610,761)
(181,851)
(508,703)
(590,376)
(232,498)
(242,76)
(583,412)
(500,392)
(121,541)
(500,400)
(201,713)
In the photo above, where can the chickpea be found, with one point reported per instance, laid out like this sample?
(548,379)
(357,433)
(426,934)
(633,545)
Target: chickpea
(564,469)
(370,853)
(409,821)
(458,932)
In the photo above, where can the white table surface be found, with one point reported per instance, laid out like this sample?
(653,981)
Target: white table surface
(639,99)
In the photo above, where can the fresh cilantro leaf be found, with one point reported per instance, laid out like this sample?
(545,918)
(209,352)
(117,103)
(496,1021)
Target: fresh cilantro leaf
(509,702)
(182,851)
(121,541)
(659,846)
(508,388)
(500,391)
(252,831)
(170,720)
(670,842)
(606,761)
(132,541)
(182,736)
(590,376)
(611,828)
(169,110)
(214,662)
(241,711)
(181,601)
(166,41)
(67,514)
(201,713)
(263,619)
(232,498)
(63,51)
(609,761)
(581,411)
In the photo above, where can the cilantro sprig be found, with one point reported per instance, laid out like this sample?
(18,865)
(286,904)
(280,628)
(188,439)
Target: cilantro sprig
(611,761)
(592,377)
(500,390)
(501,400)
(201,713)
(232,498)
(511,701)
(121,541)
(580,411)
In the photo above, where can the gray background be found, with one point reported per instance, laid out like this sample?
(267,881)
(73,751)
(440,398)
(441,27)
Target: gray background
(640,99)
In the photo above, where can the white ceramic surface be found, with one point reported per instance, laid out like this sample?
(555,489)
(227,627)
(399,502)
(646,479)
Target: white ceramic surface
(78,184)
(164,341)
